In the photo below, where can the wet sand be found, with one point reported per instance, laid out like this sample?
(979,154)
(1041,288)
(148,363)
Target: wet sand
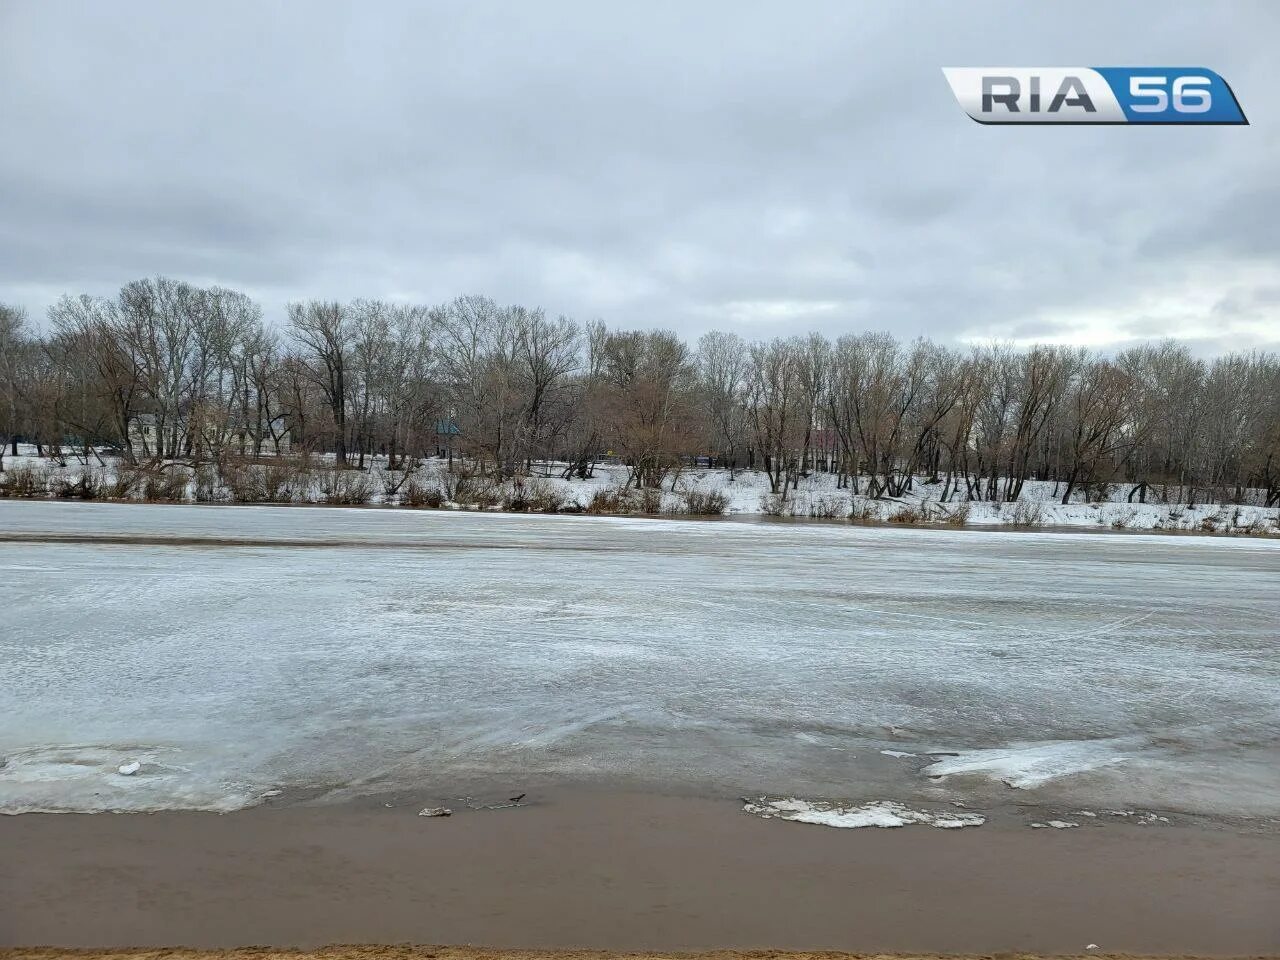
(630,872)
(420,952)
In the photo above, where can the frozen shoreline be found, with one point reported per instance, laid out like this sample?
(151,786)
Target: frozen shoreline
(743,494)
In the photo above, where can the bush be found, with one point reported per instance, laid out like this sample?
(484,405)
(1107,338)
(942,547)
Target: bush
(418,494)
(86,486)
(346,488)
(164,485)
(208,486)
(1027,513)
(958,515)
(863,511)
(24,481)
(393,481)
(609,500)
(906,514)
(535,495)
(772,505)
(825,507)
(649,501)
(127,479)
(705,503)
(1122,519)
(1211,523)
(280,480)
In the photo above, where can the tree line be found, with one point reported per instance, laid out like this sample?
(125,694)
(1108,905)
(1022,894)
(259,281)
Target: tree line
(511,390)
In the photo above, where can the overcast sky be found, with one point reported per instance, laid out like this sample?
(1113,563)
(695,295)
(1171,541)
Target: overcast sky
(769,168)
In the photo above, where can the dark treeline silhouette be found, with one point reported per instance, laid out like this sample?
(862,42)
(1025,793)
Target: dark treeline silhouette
(169,371)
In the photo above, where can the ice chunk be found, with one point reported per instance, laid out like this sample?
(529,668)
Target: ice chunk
(1030,765)
(129,769)
(877,813)
(897,753)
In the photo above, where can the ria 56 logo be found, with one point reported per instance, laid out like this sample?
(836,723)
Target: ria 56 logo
(1094,95)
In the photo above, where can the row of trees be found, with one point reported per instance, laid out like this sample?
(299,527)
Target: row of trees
(509,388)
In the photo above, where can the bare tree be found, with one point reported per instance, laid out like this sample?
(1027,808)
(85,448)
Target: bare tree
(323,330)
(723,361)
(15,350)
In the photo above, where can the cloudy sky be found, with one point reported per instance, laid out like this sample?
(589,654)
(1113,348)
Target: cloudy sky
(767,168)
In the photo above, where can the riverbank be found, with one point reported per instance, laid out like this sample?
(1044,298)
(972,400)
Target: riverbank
(623,871)
(691,494)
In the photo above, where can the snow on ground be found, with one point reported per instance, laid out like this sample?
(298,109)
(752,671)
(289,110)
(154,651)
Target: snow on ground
(747,493)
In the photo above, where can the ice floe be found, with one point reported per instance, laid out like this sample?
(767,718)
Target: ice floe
(1030,765)
(877,813)
(93,778)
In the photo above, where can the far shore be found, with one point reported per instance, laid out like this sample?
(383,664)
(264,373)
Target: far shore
(427,952)
(745,518)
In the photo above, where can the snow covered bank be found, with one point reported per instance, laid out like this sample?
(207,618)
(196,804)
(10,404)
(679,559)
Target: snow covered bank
(690,492)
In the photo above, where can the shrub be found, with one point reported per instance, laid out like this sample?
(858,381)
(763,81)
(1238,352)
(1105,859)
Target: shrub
(607,500)
(825,507)
(243,483)
(345,487)
(958,514)
(705,503)
(772,505)
(126,480)
(418,494)
(280,480)
(906,514)
(537,495)
(86,486)
(1122,519)
(164,485)
(649,500)
(24,480)
(863,511)
(1027,513)
(393,481)
(208,485)
(1211,523)
(1258,525)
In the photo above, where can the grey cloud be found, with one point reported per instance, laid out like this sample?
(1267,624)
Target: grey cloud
(765,168)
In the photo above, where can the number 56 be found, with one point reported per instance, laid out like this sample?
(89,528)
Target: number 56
(1189,94)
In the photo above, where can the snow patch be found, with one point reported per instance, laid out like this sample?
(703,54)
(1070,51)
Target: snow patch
(877,813)
(897,753)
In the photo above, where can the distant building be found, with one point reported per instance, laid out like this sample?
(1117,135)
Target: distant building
(144,438)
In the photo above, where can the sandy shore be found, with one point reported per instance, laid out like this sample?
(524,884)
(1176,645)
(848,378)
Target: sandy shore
(377,952)
(629,872)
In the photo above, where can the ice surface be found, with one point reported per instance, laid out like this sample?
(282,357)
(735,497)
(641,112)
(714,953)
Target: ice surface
(343,652)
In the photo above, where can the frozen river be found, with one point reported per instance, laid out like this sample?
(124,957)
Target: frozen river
(336,653)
